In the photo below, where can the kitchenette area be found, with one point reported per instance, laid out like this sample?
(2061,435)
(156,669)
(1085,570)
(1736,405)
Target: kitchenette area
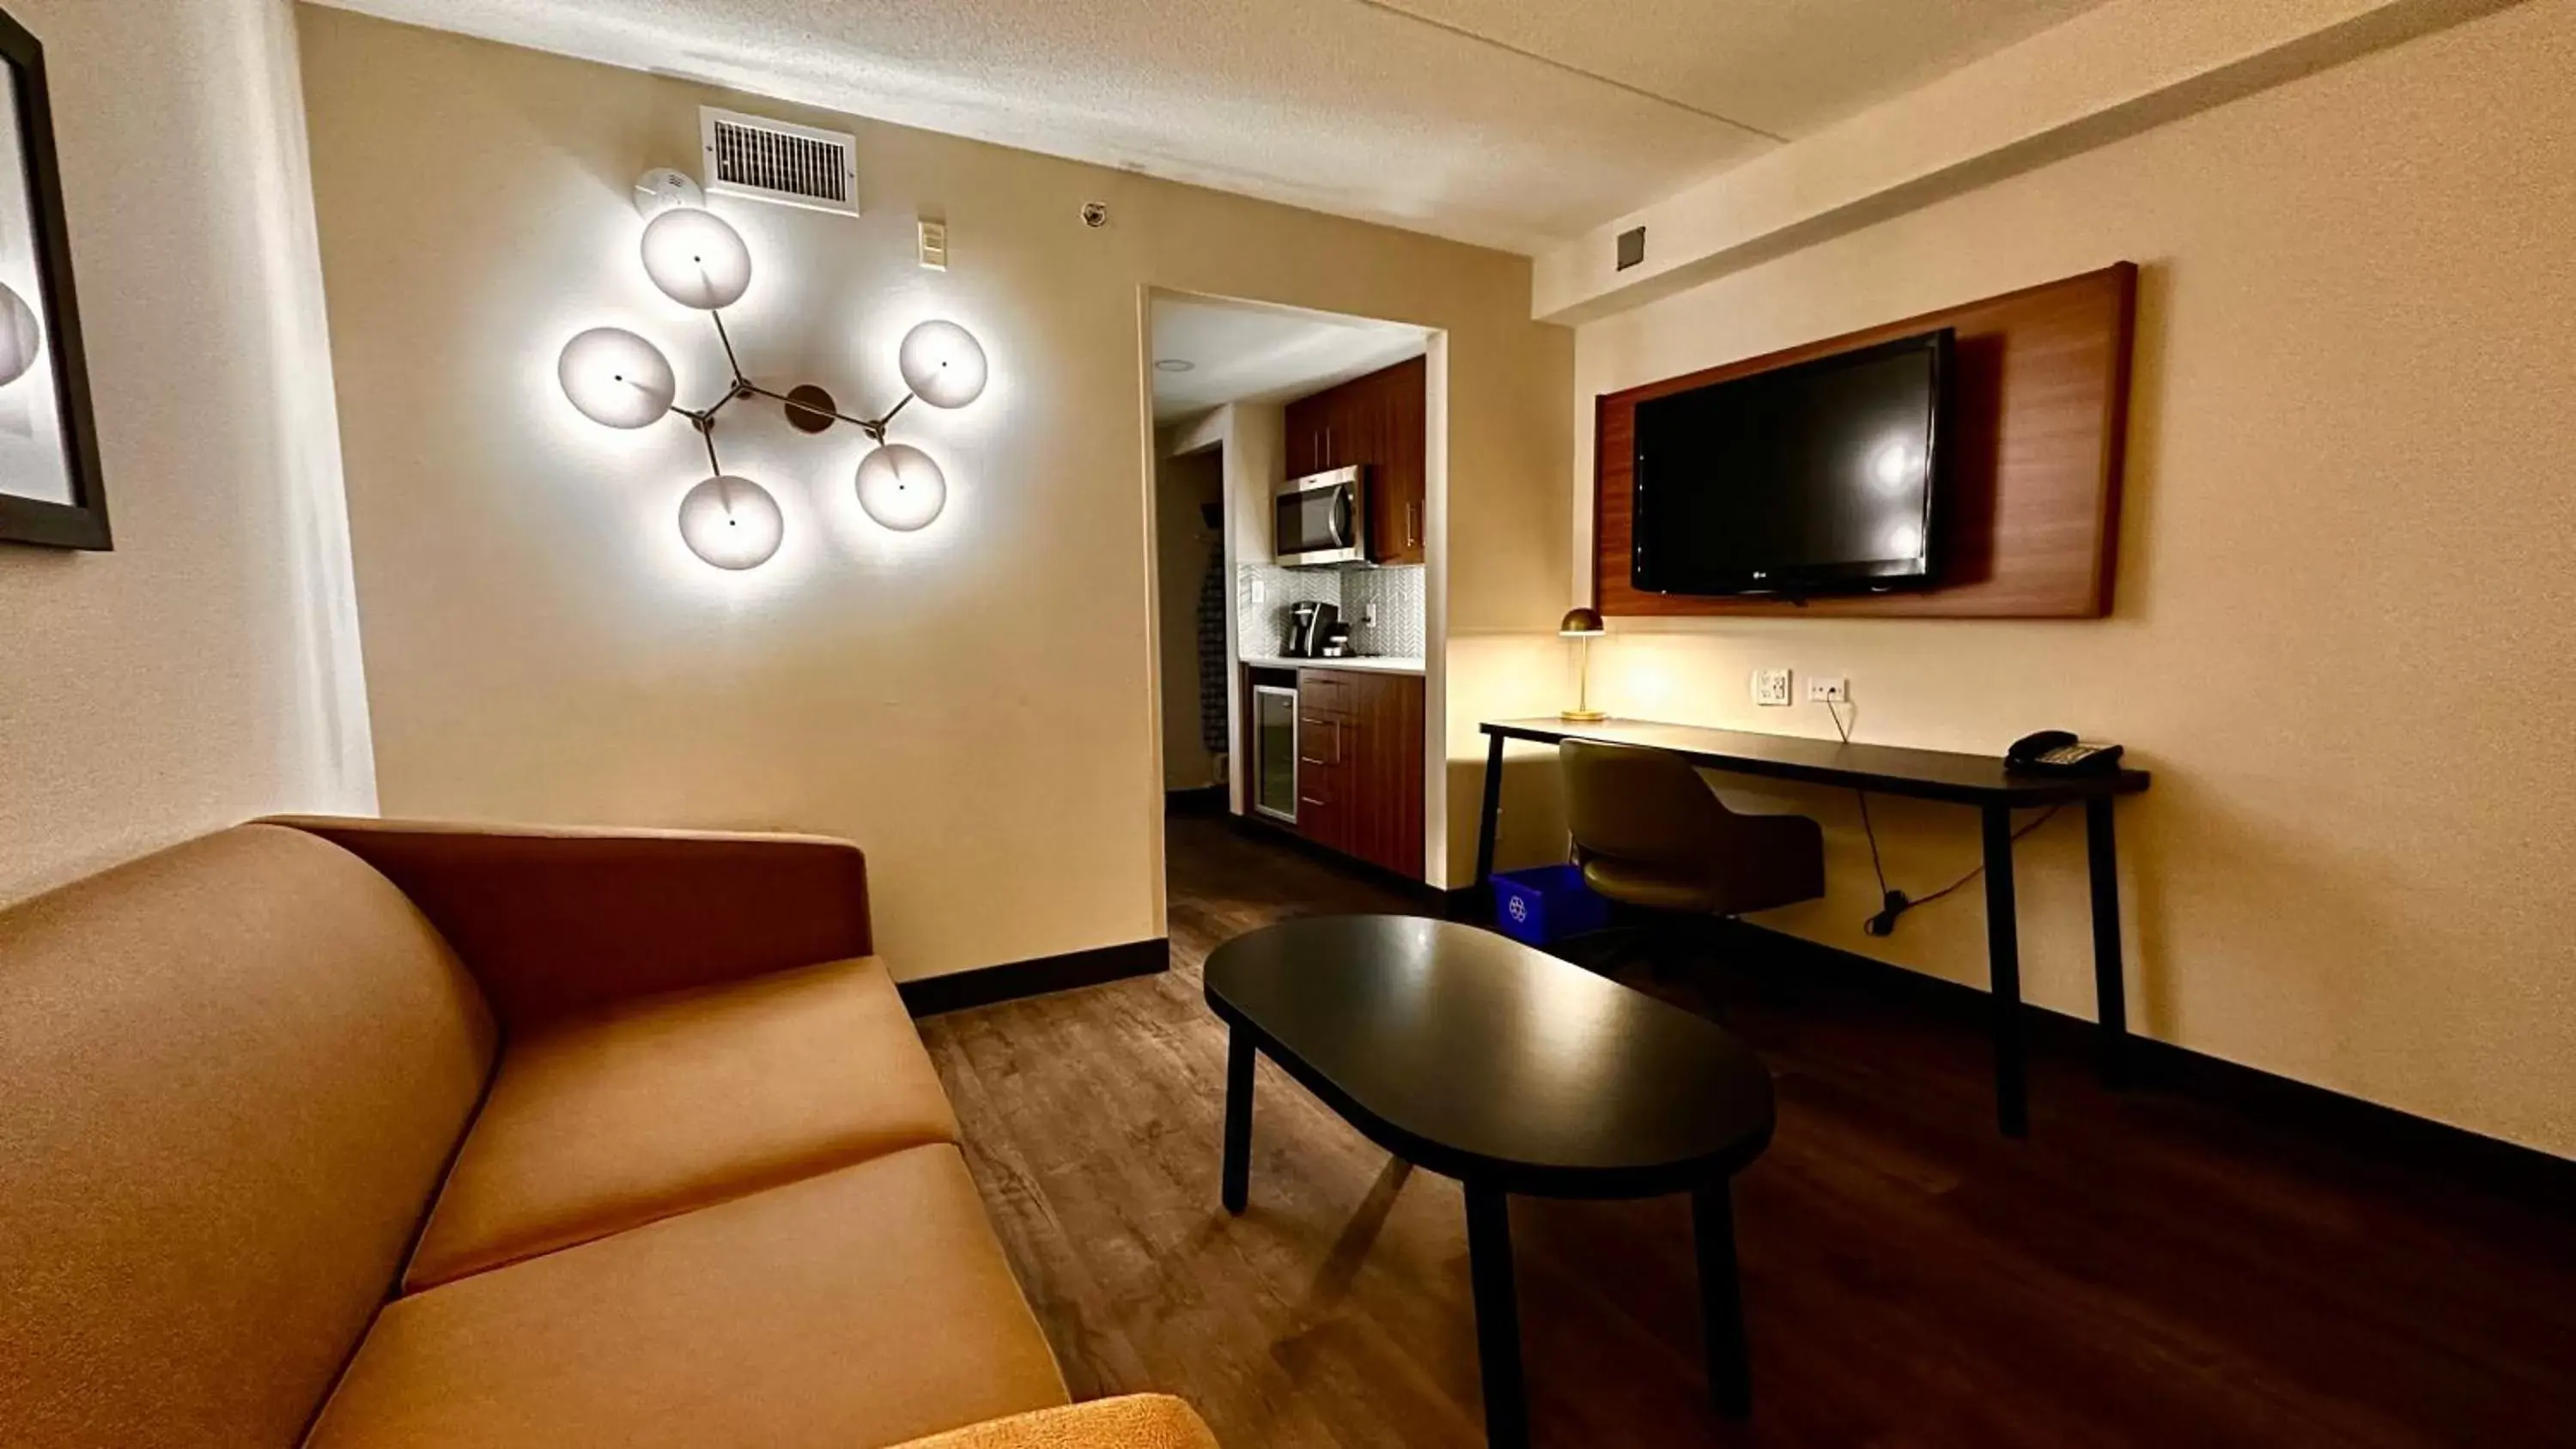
(1326,540)
(1331,629)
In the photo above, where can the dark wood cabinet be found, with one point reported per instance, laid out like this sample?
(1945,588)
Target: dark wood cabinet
(1399,439)
(1380,422)
(1359,765)
(1311,424)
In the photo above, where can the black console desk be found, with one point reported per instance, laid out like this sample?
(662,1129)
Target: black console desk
(1979,781)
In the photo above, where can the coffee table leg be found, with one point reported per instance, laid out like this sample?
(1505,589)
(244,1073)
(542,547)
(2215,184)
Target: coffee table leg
(1237,1183)
(1498,1318)
(1721,1301)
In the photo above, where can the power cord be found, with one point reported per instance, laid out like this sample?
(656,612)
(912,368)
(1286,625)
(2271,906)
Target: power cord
(1893,904)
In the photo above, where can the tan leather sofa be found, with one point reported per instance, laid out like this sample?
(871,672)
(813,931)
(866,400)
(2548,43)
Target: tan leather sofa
(353,1133)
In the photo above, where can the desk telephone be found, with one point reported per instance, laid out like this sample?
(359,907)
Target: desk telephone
(2056,752)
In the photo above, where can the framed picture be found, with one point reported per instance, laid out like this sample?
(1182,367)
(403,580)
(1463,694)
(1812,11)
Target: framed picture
(50,492)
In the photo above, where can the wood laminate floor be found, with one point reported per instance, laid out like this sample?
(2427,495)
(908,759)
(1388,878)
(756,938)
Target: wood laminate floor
(2145,1270)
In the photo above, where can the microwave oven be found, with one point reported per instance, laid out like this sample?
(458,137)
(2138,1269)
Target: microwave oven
(1321,519)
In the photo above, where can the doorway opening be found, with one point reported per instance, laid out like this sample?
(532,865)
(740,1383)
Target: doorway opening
(1297,664)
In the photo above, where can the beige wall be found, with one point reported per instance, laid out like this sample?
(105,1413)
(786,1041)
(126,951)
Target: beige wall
(1254,440)
(2343,631)
(1183,544)
(206,670)
(974,704)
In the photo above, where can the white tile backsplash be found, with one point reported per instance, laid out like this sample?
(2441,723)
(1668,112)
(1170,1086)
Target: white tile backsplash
(1396,592)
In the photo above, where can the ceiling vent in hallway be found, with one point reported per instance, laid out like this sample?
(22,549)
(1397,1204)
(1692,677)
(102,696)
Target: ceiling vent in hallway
(778,161)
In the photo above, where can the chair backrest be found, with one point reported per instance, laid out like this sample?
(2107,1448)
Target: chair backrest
(1636,804)
(231,1077)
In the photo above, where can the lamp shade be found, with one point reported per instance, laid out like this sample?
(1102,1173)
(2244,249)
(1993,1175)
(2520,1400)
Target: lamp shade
(616,378)
(943,364)
(696,259)
(20,336)
(901,487)
(1580,623)
(731,522)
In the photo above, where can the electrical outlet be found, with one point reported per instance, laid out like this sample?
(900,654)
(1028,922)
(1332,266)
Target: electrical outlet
(1771,686)
(1828,689)
(1260,593)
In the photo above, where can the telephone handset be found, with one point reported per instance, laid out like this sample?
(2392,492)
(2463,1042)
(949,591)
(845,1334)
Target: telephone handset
(2056,752)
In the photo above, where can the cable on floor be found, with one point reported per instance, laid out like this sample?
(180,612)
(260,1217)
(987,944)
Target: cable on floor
(1893,904)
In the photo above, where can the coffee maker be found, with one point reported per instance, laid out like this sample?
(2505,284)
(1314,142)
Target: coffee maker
(1308,622)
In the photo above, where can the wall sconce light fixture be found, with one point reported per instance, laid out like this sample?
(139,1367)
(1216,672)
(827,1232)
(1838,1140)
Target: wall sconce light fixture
(620,380)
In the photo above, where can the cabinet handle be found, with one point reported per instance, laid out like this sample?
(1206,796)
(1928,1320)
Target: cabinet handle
(1327,452)
(1412,534)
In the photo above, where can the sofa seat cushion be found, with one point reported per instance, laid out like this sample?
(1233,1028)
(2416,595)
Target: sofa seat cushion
(862,1307)
(1135,1421)
(610,1120)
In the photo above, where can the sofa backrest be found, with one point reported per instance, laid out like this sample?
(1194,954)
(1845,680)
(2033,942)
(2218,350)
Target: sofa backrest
(231,1078)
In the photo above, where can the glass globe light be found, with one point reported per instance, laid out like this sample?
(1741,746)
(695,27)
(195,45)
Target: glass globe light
(943,364)
(21,338)
(696,259)
(731,522)
(616,378)
(901,487)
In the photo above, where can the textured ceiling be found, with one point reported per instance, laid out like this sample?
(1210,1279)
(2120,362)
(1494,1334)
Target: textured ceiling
(1240,352)
(1514,123)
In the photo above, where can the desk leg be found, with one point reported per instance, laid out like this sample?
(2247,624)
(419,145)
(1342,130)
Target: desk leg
(1485,823)
(1721,1300)
(1498,1318)
(2003,960)
(1236,1186)
(2110,988)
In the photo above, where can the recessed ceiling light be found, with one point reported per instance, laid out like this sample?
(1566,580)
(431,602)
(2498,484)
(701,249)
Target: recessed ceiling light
(1173,364)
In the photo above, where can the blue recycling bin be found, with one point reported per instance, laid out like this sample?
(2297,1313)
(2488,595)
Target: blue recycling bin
(1543,906)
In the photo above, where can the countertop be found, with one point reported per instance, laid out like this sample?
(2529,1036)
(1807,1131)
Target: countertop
(1368,663)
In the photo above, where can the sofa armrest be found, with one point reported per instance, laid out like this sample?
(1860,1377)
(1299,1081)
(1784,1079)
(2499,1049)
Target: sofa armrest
(557,921)
(1137,1421)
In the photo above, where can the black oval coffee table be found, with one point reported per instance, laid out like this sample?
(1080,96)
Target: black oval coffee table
(1471,1055)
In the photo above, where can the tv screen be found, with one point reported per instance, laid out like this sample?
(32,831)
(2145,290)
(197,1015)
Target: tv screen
(1815,478)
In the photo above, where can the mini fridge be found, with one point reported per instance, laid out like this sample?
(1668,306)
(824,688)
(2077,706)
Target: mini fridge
(1274,751)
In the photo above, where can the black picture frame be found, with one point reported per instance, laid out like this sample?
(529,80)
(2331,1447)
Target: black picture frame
(82,522)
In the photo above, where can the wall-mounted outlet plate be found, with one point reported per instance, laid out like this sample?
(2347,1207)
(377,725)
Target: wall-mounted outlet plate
(1771,687)
(1828,689)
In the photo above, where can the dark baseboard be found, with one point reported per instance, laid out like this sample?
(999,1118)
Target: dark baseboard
(2400,1139)
(986,985)
(1206,801)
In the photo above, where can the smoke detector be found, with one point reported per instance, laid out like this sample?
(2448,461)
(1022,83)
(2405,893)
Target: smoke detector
(766,160)
(663,188)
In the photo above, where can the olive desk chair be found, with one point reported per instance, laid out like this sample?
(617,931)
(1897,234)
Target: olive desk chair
(1650,834)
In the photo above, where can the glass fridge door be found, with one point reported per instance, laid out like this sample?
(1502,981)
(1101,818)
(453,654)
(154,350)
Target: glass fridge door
(1274,724)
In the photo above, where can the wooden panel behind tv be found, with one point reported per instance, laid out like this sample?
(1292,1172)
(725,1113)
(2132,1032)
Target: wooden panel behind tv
(2029,520)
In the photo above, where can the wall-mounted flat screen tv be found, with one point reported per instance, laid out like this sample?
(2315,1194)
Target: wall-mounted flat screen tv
(1821,477)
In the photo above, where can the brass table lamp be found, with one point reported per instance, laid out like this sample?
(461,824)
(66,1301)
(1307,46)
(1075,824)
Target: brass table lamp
(1582,626)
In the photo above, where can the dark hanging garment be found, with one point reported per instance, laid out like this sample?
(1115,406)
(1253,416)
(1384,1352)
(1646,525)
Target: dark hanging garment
(1212,653)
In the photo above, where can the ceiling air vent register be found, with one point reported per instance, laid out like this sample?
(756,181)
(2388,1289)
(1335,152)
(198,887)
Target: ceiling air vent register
(766,160)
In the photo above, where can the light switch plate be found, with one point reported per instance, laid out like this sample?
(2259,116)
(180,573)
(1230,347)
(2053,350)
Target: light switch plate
(1771,686)
(1828,689)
